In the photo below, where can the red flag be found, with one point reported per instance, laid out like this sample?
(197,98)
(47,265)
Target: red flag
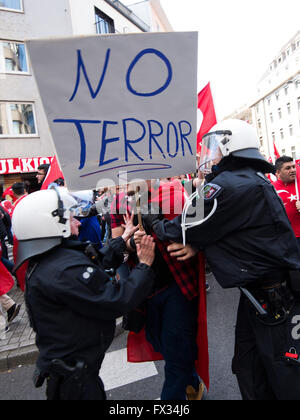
(272,178)
(298,179)
(54,172)
(207,109)
(6,279)
(276,153)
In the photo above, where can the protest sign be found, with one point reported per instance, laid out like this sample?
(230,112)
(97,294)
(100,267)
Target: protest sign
(119,107)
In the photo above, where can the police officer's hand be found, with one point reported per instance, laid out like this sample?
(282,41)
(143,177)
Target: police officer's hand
(298,205)
(129,227)
(181,252)
(146,250)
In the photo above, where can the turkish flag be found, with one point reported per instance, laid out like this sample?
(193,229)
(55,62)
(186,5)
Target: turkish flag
(54,172)
(298,179)
(206,115)
(276,153)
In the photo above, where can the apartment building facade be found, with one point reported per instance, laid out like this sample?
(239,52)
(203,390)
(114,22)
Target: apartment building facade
(276,111)
(25,140)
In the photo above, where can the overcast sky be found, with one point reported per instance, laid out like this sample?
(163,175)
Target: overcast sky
(237,41)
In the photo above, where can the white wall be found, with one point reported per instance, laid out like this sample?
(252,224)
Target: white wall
(83,19)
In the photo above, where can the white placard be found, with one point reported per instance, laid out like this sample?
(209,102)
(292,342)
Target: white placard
(119,107)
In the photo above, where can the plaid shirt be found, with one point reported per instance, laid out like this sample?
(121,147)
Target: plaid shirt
(185,273)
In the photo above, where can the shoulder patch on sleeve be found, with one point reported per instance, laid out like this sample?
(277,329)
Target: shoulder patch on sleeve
(210,191)
(92,278)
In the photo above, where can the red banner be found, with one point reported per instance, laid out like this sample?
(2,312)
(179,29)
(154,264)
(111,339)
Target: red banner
(207,111)
(21,165)
(54,172)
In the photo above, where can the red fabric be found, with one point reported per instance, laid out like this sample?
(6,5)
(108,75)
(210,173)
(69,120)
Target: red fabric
(7,206)
(21,272)
(272,178)
(54,172)
(6,279)
(206,106)
(202,363)
(9,192)
(287,193)
(140,350)
(118,209)
(276,153)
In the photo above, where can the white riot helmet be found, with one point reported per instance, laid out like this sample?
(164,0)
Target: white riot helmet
(230,137)
(40,221)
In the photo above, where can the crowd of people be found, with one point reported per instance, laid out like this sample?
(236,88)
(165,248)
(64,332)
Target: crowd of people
(136,263)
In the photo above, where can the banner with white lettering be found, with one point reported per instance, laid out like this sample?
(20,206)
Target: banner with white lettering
(22,165)
(120,107)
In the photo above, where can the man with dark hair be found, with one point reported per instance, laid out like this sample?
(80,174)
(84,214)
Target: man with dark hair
(286,189)
(42,172)
(18,189)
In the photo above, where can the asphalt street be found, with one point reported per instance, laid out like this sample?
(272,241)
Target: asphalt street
(125,381)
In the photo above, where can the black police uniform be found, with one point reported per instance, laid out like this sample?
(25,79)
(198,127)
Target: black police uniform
(249,242)
(72,304)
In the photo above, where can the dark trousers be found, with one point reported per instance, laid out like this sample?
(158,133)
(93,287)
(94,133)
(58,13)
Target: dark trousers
(171,327)
(262,370)
(91,388)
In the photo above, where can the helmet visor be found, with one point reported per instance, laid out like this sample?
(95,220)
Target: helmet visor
(211,149)
(84,202)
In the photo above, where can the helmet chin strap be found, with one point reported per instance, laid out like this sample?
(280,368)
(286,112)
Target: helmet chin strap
(60,211)
(184,225)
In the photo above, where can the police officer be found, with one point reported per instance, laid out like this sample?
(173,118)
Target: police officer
(72,301)
(249,243)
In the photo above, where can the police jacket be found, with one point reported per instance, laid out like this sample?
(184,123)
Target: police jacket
(72,302)
(248,238)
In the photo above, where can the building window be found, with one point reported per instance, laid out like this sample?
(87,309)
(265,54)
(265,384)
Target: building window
(279,113)
(12,5)
(17,120)
(13,57)
(293,149)
(281,134)
(288,108)
(271,117)
(104,24)
(291,130)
